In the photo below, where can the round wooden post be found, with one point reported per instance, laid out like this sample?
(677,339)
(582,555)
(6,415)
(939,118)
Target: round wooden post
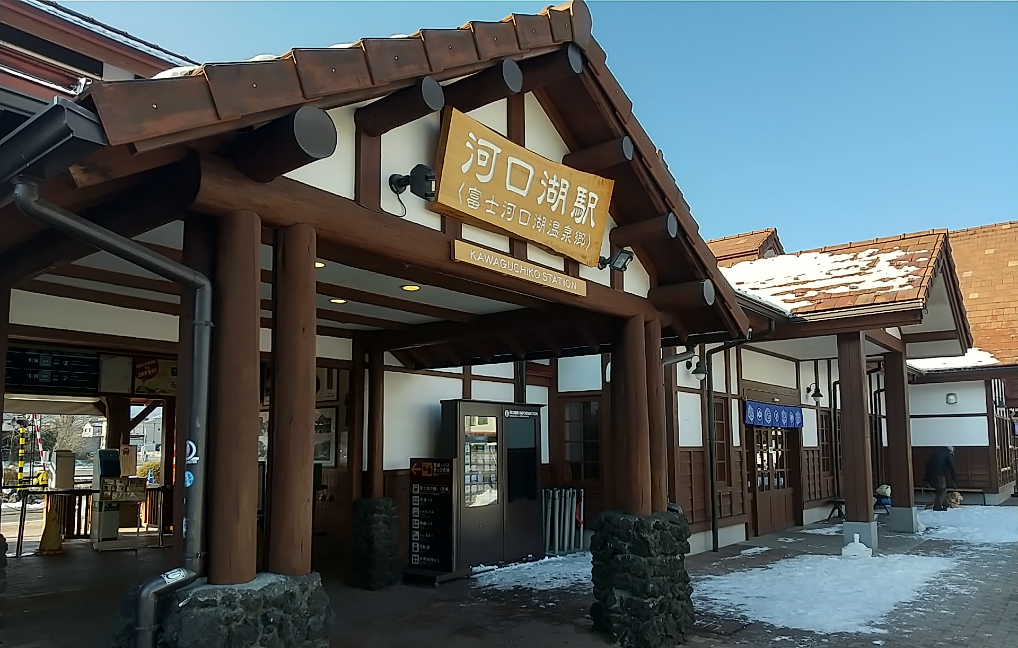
(233,438)
(376,431)
(656,417)
(291,436)
(635,480)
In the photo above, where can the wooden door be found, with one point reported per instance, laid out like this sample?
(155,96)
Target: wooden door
(773,479)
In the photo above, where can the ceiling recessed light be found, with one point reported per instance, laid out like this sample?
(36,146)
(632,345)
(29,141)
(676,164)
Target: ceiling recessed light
(338,301)
(410,287)
(319,264)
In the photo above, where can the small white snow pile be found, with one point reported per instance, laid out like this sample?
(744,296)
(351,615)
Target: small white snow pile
(825,594)
(974,357)
(556,573)
(16,506)
(973,524)
(832,530)
(753,551)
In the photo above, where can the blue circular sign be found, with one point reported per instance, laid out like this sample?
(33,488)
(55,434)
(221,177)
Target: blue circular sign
(188,478)
(767,415)
(784,417)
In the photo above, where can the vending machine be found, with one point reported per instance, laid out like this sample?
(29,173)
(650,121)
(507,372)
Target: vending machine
(478,501)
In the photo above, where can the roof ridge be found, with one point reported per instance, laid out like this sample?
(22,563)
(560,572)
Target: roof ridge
(767,230)
(987,226)
(885,239)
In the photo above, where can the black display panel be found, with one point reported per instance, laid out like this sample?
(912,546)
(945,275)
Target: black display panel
(52,372)
(431,514)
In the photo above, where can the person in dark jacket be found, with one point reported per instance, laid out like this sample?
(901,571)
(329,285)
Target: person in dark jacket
(938,469)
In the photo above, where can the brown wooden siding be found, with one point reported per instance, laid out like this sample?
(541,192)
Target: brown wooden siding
(972,463)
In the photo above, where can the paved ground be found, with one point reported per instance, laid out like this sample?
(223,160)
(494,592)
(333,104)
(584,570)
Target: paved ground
(69,601)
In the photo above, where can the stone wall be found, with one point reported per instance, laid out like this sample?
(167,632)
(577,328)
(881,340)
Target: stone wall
(374,564)
(271,611)
(641,587)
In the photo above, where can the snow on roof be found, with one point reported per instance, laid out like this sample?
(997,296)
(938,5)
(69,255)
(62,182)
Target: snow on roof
(974,357)
(804,281)
(93,25)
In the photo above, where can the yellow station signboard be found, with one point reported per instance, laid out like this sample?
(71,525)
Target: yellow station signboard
(485,178)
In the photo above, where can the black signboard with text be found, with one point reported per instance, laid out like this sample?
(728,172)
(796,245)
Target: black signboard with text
(431,514)
(52,372)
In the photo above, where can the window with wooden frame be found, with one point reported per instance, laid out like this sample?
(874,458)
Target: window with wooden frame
(826,437)
(582,427)
(722,441)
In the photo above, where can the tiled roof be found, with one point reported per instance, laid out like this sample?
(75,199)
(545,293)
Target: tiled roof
(869,273)
(748,246)
(987,261)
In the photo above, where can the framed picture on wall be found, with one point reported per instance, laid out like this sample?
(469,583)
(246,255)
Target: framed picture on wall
(325,451)
(263,435)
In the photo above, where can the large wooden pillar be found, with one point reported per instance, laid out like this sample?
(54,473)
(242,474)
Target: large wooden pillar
(355,453)
(904,517)
(233,434)
(291,436)
(630,418)
(376,431)
(199,253)
(855,439)
(656,418)
(118,421)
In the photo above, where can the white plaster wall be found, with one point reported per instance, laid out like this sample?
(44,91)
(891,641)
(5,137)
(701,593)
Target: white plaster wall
(542,256)
(335,173)
(951,430)
(485,238)
(736,422)
(538,395)
(497,370)
(733,371)
(265,340)
(729,535)
(815,514)
(636,280)
(932,398)
(493,115)
(768,369)
(823,381)
(332,347)
(541,136)
(580,373)
(810,428)
(718,370)
(487,390)
(390,360)
(403,148)
(684,375)
(413,413)
(47,311)
(807,377)
(835,375)
(455,370)
(690,419)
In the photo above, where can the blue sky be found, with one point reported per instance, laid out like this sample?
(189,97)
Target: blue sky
(832,121)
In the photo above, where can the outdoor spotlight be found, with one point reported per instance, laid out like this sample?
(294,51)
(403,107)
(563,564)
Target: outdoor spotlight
(421,182)
(813,391)
(699,371)
(618,261)
(952,399)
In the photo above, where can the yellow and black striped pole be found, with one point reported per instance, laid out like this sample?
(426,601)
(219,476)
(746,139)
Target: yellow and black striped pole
(21,455)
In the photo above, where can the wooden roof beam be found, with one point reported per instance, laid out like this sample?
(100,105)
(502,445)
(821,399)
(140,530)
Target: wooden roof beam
(401,107)
(551,68)
(662,228)
(305,135)
(498,82)
(677,298)
(601,156)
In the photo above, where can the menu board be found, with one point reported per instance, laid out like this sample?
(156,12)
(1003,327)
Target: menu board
(431,514)
(480,461)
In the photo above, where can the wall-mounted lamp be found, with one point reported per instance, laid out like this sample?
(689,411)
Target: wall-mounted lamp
(699,371)
(952,398)
(618,261)
(813,391)
(421,182)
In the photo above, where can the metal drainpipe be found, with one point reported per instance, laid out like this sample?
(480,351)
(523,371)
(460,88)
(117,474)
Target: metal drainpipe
(26,196)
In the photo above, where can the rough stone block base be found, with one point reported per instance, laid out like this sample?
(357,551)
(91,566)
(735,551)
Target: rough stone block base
(272,611)
(867,533)
(373,562)
(641,587)
(905,520)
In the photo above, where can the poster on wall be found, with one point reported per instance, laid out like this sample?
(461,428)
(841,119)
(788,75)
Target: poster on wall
(155,376)
(325,437)
(326,384)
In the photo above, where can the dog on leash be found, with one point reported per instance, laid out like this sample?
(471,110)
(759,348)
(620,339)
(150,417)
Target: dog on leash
(954,500)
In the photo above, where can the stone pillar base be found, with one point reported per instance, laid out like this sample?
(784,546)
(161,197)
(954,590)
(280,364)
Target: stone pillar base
(272,611)
(373,563)
(3,564)
(867,533)
(905,520)
(641,587)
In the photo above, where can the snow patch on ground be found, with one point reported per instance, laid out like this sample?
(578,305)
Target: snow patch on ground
(823,594)
(556,573)
(753,551)
(973,524)
(832,530)
(16,506)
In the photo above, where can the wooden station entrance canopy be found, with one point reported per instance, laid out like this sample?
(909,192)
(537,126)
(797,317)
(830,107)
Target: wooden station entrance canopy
(217,139)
